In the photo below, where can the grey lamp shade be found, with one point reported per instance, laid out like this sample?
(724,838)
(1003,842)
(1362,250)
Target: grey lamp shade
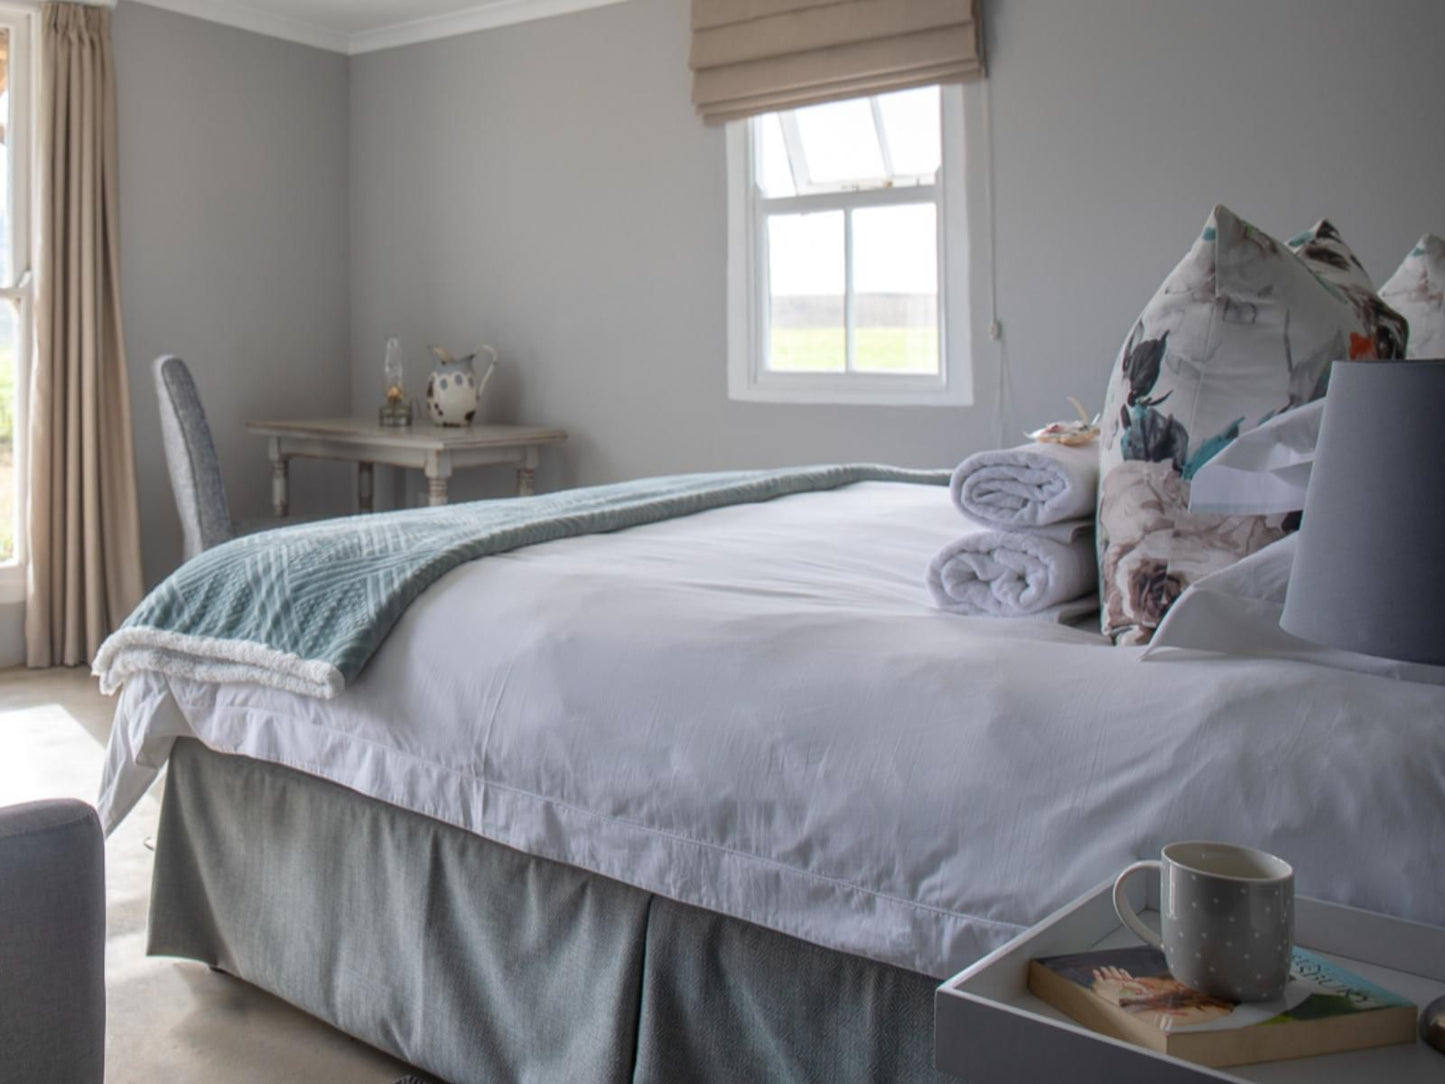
(1369,572)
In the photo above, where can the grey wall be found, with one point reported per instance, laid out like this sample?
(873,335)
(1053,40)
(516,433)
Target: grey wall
(546,188)
(233,178)
(1120,123)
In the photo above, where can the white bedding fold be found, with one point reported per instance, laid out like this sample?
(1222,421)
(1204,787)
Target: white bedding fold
(1049,572)
(1033,485)
(1264,472)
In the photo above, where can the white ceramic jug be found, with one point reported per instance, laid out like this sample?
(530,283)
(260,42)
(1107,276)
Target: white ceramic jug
(453,390)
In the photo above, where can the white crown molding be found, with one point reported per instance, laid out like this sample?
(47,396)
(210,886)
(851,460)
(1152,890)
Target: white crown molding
(258,22)
(484,16)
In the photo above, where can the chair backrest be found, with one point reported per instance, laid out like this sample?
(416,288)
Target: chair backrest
(191,458)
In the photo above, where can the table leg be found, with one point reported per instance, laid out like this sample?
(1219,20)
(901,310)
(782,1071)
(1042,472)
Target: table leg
(527,474)
(280,481)
(363,486)
(438,469)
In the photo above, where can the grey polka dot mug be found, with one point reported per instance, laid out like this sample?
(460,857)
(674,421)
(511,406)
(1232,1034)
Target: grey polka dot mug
(1226,916)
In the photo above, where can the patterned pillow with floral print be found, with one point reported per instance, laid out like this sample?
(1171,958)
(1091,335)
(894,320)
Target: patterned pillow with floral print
(1242,329)
(1327,255)
(1417,289)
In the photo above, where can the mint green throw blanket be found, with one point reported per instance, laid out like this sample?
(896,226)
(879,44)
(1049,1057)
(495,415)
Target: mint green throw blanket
(304,608)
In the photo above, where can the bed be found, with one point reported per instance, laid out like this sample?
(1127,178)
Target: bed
(723,796)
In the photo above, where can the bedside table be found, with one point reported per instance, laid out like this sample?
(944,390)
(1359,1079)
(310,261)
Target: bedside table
(988,1028)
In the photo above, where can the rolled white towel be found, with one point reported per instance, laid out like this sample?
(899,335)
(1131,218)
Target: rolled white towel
(1033,485)
(1050,572)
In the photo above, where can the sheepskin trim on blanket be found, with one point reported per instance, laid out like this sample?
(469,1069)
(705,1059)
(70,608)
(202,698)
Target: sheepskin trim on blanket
(202,658)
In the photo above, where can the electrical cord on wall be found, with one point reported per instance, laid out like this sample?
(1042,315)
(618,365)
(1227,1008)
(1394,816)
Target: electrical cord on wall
(1004,389)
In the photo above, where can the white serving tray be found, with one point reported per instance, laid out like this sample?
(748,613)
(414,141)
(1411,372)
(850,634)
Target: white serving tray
(988,1028)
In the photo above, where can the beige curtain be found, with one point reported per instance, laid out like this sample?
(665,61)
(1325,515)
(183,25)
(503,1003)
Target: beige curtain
(84,532)
(756,56)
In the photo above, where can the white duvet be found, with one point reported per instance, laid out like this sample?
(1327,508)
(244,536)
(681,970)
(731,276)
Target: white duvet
(759,711)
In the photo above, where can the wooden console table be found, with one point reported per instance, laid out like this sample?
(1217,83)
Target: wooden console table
(434,450)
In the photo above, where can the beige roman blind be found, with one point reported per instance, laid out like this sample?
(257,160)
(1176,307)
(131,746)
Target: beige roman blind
(756,56)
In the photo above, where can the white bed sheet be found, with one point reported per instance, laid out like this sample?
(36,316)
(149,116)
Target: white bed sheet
(757,710)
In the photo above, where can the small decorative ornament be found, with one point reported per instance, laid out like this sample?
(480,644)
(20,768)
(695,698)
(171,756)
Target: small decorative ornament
(396,411)
(1075,434)
(453,390)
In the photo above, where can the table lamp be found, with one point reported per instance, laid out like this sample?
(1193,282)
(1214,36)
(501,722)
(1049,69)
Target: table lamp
(1368,575)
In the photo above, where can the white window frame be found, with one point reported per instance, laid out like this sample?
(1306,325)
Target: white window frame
(750,380)
(24,28)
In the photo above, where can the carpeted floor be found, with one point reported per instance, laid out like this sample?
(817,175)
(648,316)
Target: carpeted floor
(165,1019)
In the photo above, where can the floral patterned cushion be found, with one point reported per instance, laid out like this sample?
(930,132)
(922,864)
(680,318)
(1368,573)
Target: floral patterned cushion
(1327,255)
(1417,289)
(1242,329)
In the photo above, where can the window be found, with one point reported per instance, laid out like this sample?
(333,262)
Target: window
(16,96)
(847,262)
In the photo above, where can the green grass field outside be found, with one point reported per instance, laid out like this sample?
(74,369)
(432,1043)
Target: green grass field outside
(876,350)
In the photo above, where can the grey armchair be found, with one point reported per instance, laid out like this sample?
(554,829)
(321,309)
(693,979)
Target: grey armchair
(191,459)
(52,943)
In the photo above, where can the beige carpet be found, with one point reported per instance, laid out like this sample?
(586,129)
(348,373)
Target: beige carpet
(166,1019)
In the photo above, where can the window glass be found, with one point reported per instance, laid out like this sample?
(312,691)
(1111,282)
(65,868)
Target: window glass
(847,229)
(888,139)
(806,282)
(895,289)
(775,173)
(840,143)
(911,125)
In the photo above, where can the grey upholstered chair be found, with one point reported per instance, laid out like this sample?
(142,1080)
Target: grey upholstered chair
(191,459)
(52,943)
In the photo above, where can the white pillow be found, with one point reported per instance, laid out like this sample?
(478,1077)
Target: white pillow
(1417,291)
(1266,470)
(1236,611)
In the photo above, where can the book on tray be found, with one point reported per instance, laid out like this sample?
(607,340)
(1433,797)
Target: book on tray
(1129,994)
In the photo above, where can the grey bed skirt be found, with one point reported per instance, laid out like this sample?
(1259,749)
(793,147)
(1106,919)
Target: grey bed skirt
(478,963)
